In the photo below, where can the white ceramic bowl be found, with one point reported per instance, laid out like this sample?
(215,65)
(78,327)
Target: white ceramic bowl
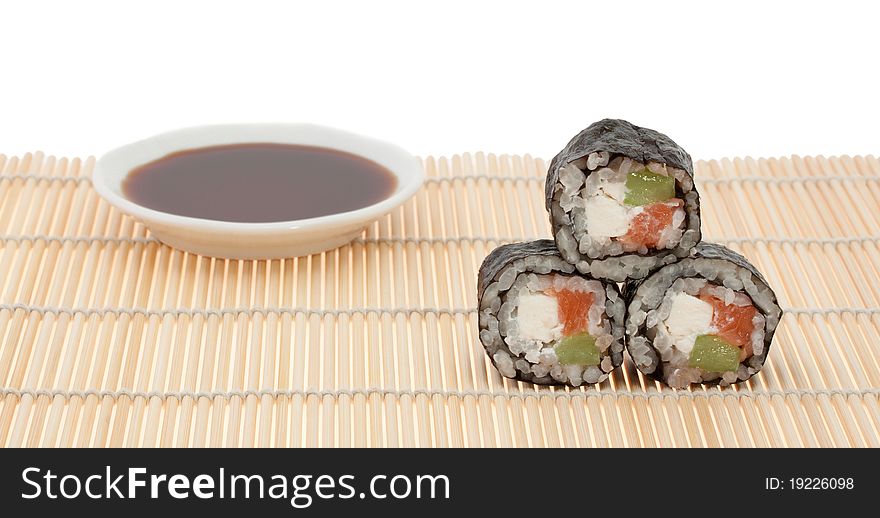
(255,240)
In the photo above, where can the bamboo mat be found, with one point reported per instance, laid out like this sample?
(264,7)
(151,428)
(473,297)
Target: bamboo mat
(108,338)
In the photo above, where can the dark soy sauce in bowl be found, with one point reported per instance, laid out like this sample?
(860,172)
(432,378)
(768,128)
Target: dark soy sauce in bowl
(259,182)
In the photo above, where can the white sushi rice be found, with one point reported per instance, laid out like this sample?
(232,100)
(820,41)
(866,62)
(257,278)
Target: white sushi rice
(590,215)
(652,306)
(521,343)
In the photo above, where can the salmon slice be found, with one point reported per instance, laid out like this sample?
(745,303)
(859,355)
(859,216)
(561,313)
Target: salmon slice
(645,228)
(734,323)
(574,308)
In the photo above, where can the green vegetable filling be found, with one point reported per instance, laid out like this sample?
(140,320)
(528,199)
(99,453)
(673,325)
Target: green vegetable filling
(579,349)
(713,354)
(644,187)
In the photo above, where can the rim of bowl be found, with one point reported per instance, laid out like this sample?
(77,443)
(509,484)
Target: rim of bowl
(107,180)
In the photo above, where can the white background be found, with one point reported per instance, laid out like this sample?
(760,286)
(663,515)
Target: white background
(741,78)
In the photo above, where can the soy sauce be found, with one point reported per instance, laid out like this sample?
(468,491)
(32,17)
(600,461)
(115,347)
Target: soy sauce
(259,183)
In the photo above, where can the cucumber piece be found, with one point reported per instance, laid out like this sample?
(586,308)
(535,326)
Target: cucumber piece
(579,349)
(713,354)
(644,187)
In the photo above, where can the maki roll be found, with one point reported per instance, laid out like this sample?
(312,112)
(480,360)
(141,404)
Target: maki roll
(542,321)
(622,201)
(708,318)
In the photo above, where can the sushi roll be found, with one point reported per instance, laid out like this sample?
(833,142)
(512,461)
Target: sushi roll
(708,318)
(542,321)
(622,201)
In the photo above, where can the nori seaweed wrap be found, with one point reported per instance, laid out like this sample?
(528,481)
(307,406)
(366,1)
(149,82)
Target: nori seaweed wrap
(542,321)
(708,318)
(622,201)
